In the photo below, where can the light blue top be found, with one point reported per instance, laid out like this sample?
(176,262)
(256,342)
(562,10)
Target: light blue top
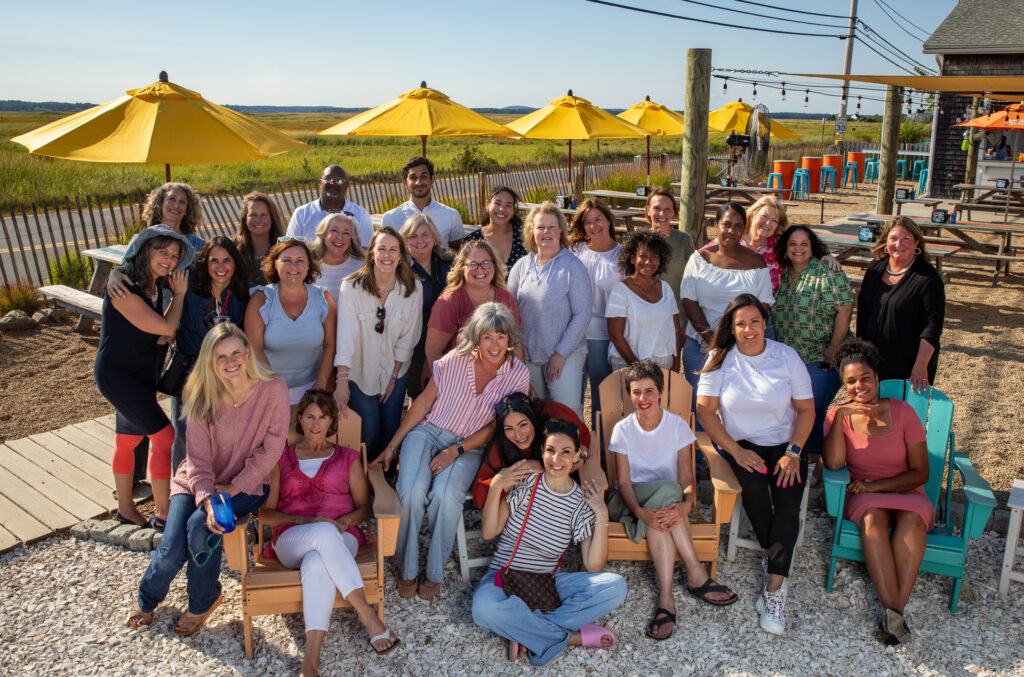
(294,348)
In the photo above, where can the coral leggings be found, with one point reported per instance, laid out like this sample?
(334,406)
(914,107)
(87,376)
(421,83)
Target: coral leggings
(159,455)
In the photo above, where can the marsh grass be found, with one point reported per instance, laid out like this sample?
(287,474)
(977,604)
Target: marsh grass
(21,296)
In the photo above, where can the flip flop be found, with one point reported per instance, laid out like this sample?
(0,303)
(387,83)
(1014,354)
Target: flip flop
(124,520)
(384,635)
(710,586)
(200,620)
(515,650)
(591,634)
(139,618)
(156,523)
(661,617)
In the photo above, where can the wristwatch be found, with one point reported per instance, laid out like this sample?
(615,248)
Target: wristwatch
(793,450)
(459,449)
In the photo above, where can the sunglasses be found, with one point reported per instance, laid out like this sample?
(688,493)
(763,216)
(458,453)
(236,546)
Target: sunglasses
(381,314)
(519,402)
(289,238)
(560,425)
(334,179)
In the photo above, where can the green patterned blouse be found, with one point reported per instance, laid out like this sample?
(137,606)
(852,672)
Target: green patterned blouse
(805,314)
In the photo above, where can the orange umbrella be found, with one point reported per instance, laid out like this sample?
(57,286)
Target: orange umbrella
(1010,118)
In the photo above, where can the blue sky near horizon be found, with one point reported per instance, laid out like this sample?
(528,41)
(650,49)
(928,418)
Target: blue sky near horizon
(489,54)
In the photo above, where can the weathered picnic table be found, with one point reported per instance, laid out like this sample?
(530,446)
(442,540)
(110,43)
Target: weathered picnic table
(926,201)
(626,216)
(844,246)
(89,305)
(991,198)
(613,196)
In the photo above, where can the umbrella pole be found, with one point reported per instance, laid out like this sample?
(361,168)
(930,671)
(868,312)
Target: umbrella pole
(167,173)
(570,167)
(1009,189)
(648,159)
(423,144)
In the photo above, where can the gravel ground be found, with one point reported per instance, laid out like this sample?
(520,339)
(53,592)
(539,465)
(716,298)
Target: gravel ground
(79,630)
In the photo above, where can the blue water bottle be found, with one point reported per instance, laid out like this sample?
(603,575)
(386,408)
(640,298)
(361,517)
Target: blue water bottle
(223,513)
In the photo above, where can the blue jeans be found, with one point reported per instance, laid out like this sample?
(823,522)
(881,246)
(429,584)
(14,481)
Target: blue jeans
(178,448)
(585,599)
(380,419)
(188,542)
(597,369)
(825,384)
(439,498)
(693,361)
(566,390)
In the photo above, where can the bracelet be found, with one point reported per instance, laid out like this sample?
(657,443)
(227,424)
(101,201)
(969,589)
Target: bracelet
(394,378)
(597,524)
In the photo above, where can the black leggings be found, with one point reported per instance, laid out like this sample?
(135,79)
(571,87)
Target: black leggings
(773,511)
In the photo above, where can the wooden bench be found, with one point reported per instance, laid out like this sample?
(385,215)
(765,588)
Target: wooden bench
(968,207)
(77,301)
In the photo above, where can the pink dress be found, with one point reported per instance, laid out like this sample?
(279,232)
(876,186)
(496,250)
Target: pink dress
(875,457)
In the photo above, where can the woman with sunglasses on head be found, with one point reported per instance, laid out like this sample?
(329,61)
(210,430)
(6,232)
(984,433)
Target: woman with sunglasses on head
(259,226)
(237,413)
(502,227)
(337,251)
(517,438)
(290,321)
(379,319)
(539,517)
(442,436)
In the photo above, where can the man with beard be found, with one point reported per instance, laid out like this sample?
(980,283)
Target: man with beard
(418,177)
(333,187)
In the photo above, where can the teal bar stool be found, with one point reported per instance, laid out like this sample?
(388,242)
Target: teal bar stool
(901,167)
(919,166)
(922,182)
(850,174)
(801,184)
(775,182)
(828,179)
(870,171)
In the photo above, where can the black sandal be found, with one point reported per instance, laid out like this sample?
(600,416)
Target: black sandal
(710,586)
(156,523)
(661,617)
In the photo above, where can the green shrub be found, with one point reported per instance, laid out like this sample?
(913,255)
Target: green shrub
(539,195)
(72,270)
(628,181)
(551,154)
(129,232)
(21,296)
(912,131)
(463,211)
(472,159)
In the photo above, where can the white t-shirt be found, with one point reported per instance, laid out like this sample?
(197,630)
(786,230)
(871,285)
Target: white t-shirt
(713,288)
(331,276)
(307,217)
(652,455)
(650,329)
(755,393)
(603,268)
(446,220)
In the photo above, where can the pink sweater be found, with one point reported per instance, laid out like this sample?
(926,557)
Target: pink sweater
(241,449)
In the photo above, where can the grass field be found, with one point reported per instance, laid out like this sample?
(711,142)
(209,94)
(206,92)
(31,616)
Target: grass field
(26,178)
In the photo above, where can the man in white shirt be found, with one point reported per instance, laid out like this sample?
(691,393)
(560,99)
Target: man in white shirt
(418,177)
(333,187)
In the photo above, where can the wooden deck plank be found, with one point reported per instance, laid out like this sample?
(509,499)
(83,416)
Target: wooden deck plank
(76,478)
(106,421)
(8,541)
(99,431)
(95,468)
(86,442)
(21,523)
(54,490)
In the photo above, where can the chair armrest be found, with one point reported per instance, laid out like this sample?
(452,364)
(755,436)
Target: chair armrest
(592,469)
(722,477)
(385,500)
(978,492)
(236,545)
(835,489)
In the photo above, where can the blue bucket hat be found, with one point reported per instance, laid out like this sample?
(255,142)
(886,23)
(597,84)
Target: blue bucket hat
(188,252)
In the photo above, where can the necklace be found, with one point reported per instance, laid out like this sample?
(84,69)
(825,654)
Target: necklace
(902,272)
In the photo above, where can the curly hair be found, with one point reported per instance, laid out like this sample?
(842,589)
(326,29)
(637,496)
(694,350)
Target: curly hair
(153,210)
(818,249)
(270,270)
(457,273)
(856,351)
(324,401)
(577,233)
(653,242)
(244,238)
(202,283)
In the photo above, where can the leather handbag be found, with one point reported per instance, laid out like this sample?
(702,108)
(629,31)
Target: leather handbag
(172,381)
(537,590)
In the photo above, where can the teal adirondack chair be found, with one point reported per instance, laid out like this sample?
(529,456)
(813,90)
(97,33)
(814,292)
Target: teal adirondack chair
(946,550)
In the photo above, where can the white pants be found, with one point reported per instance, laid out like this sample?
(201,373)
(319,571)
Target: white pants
(327,560)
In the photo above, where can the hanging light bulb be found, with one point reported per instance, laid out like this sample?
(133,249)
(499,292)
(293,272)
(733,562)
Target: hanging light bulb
(807,94)
(725,87)
(754,98)
(783,91)
(858,105)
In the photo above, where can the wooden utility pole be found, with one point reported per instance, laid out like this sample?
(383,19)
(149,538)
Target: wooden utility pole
(972,152)
(890,146)
(694,176)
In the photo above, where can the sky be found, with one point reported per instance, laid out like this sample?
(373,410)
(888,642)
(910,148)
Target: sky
(481,53)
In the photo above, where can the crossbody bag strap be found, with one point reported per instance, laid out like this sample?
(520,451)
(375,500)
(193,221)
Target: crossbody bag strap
(529,507)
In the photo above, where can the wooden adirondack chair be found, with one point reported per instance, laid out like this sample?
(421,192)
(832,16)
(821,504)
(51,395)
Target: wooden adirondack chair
(677,398)
(270,588)
(945,552)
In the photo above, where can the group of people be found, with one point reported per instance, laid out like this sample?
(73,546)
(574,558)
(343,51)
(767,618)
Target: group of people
(495,337)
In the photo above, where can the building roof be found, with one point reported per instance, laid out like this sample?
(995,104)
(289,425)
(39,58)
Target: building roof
(980,27)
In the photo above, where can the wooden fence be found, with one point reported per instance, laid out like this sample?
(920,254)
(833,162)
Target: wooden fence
(42,242)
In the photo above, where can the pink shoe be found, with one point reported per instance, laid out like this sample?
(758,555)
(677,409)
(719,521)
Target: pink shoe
(591,635)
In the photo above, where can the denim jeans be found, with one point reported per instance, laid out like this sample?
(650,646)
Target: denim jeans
(693,361)
(597,369)
(585,598)
(565,390)
(178,448)
(439,498)
(825,384)
(184,535)
(380,419)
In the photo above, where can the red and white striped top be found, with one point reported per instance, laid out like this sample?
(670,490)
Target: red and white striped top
(458,409)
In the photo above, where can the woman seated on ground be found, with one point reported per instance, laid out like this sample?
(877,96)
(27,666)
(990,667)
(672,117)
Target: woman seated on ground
(882,442)
(259,227)
(656,490)
(642,313)
(237,413)
(502,227)
(336,251)
(543,513)
(442,436)
(217,291)
(130,356)
(755,402)
(290,321)
(517,439)
(318,498)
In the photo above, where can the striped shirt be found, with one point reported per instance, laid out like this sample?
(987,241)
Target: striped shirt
(556,520)
(458,408)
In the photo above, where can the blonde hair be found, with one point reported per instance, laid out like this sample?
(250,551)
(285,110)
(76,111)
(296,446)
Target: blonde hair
(457,275)
(488,318)
(763,203)
(204,388)
(417,220)
(546,207)
(318,247)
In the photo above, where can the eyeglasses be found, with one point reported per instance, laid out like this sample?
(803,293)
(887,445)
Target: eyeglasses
(560,425)
(381,314)
(334,179)
(289,238)
(515,402)
(479,265)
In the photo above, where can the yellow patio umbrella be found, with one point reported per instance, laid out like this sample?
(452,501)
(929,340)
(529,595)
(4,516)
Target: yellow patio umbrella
(656,119)
(574,118)
(732,118)
(419,112)
(162,123)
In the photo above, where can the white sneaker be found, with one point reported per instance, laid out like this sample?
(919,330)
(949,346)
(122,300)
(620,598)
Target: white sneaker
(770,605)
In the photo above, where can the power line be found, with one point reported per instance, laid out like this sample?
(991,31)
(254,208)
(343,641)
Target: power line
(928,33)
(795,11)
(892,49)
(901,26)
(715,23)
(762,16)
(871,47)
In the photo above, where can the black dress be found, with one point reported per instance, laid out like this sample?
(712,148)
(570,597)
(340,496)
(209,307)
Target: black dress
(518,250)
(896,317)
(127,368)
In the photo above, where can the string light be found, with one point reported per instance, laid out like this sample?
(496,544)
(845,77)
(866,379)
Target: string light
(725,87)
(807,97)
(858,105)
(754,98)
(783,91)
